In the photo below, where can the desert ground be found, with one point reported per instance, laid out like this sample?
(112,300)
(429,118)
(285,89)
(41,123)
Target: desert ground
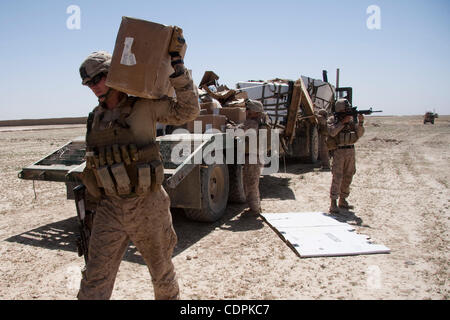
(401,194)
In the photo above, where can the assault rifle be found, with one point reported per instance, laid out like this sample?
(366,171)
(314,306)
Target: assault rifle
(83,217)
(353,111)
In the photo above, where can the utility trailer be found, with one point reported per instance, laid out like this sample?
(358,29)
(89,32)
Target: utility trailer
(202,190)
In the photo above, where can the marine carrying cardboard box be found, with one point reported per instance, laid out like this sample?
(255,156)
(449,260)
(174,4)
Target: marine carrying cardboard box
(140,63)
(236,115)
(208,121)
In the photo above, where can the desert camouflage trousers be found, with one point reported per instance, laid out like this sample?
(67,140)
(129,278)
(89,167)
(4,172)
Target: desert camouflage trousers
(323,152)
(251,174)
(343,169)
(147,222)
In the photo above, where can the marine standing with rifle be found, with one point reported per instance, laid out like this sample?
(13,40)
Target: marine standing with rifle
(344,132)
(124,173)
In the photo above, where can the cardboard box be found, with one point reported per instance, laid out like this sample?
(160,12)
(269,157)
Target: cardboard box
(208,121)
(236,115)
(140,64)
(237,103)
(241,95)
(210,107)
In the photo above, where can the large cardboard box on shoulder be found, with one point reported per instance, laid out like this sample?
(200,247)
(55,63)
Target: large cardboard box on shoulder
(140,64)
(208,121)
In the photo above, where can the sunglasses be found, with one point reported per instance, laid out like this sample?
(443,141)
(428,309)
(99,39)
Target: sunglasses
(95,80)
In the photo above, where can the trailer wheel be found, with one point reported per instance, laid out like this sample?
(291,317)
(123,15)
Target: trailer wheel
(236,193)
(215,189)
(313,145)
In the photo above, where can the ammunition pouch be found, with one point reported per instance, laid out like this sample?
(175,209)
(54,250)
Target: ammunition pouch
(124,170)
(123,182)
(144,178)
(90,181)
(346,138)
(157,174)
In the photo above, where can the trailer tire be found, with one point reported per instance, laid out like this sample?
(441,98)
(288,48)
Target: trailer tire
(236,175)
(214,198)
(313,145)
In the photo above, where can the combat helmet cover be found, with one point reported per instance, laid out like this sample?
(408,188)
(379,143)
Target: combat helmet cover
(341,105)
(96,63)
(254,105)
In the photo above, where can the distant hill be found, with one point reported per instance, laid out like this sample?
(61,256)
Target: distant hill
(42,122)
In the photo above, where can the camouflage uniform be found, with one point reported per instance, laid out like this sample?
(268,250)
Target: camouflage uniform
(323,134)
(343,165)
(144,219)
(251,173)
(251,170)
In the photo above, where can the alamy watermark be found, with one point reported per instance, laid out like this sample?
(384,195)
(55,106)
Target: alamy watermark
(73,22)
(241,147)
(373,22)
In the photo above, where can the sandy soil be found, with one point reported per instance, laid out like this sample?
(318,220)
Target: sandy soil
(400,192)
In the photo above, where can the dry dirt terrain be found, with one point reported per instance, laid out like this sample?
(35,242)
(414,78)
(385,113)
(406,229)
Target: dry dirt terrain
(400,192)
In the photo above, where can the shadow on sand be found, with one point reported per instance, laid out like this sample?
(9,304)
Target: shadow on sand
(349,217)
(62,235)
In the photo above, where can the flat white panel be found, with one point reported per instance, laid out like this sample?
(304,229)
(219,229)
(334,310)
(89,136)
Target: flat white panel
(315,234)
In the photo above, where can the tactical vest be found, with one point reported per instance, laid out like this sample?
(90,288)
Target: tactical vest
(262,125)
(346,137)
(115,166)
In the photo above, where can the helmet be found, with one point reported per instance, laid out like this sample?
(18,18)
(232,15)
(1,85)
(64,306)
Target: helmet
(341,105)
(254,105)
(96,63)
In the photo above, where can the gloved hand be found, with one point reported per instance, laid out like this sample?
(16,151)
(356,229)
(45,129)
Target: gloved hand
(177,42)
(347,119)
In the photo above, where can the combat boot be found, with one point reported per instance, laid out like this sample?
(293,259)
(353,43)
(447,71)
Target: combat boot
(249,212)
(344,204)
(333,207)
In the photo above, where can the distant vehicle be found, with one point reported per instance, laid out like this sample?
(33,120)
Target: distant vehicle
(429,117)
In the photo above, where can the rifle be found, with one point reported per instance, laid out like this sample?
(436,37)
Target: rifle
(353,111)
(83,217)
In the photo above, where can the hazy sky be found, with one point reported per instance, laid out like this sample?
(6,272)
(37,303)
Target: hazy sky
(402,67)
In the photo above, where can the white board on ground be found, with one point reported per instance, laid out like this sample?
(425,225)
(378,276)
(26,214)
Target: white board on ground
(316,234)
